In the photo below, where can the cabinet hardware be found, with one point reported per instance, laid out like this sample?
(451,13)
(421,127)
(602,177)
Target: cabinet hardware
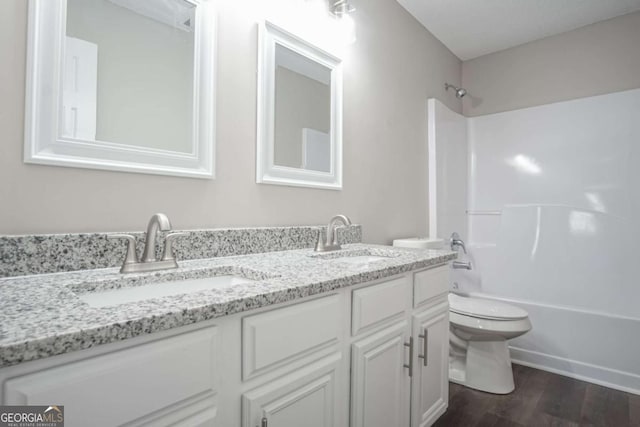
(410,365)
(425,347)
(264,422)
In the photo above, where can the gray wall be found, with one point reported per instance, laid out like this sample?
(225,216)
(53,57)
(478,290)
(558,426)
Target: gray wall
(600,58)
(389,73)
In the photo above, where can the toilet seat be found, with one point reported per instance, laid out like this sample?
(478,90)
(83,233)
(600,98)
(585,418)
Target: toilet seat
(481,319)
(482,329)
(485,309)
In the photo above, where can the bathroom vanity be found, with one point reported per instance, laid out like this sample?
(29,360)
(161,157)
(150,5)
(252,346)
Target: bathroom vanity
(353,337)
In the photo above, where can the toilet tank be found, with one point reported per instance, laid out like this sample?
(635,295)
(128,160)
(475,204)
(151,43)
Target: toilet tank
(419,243)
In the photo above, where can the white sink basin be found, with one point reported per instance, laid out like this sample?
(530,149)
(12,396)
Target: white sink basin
(362,259)
(111,297)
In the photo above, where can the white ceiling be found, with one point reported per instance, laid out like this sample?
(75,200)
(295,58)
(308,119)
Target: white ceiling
(472,28)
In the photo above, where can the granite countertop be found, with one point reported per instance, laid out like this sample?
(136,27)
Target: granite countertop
(43,315)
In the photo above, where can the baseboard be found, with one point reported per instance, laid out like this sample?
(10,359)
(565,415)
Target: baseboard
(611,378)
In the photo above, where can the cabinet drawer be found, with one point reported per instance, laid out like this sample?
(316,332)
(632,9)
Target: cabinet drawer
(278,337)
(132,384)
(377,304)
(428,284)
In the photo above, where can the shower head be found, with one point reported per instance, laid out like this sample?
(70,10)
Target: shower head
(460,92)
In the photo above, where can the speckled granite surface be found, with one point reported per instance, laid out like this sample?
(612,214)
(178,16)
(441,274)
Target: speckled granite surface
(52,253)
(43,315)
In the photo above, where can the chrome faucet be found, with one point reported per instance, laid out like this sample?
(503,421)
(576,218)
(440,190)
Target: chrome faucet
(330,242)
(459,265)
(131,262)
(157,222)
(455,241)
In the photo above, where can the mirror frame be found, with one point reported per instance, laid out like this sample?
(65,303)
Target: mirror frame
(267,172)
(43,100)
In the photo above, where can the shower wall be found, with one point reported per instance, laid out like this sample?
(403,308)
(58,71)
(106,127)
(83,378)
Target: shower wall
(448,171)
(552,209)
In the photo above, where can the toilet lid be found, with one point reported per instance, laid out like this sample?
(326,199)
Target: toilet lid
(485,309)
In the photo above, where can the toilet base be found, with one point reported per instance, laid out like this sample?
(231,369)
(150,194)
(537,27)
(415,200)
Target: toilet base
(484,366)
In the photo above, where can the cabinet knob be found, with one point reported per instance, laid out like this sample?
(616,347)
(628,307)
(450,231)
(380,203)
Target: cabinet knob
(264,422)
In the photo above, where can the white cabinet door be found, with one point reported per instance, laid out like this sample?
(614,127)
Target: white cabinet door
(308,397)
(380,382)
(430,382)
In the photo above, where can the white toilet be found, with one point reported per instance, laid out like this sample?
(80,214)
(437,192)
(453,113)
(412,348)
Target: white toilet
(479,355)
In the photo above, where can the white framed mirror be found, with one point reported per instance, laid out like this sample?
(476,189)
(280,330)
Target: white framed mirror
(124,85)
(299,135)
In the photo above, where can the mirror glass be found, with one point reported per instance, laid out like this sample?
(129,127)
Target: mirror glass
(128,73)
(302,112)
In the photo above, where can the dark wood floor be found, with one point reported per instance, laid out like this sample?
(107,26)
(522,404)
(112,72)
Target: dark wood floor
(542,399)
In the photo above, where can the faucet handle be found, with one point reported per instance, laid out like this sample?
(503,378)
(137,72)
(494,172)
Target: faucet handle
(320,243)
(132,255)
(167,255)
(456,241)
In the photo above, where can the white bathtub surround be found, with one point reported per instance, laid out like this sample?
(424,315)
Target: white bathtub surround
(553,203)
(448,171)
